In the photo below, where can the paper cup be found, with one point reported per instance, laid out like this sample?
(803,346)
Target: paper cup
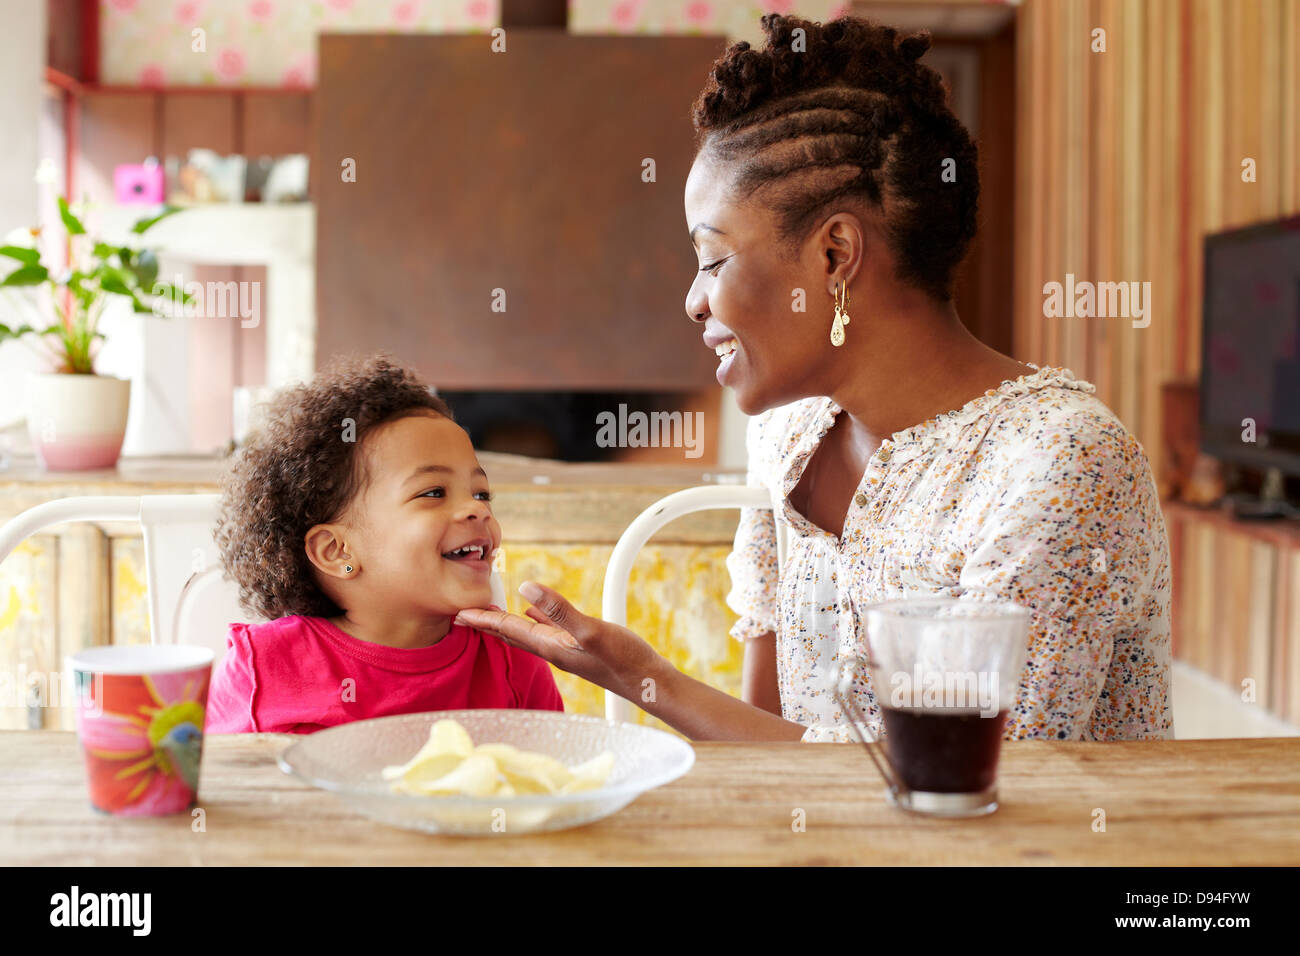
(140,714)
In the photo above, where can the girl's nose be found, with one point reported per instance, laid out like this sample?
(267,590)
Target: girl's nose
(475,509)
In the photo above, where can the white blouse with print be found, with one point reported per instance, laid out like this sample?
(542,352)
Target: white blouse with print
(1033,493)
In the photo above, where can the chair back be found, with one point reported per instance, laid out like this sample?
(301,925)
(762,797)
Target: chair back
(702,498)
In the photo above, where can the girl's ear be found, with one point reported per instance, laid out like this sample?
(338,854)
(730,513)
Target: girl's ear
(327,550)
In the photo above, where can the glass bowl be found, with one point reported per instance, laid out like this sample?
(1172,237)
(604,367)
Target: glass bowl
(347,760)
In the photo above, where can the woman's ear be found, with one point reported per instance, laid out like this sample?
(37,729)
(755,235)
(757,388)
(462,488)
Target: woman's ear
(327,550)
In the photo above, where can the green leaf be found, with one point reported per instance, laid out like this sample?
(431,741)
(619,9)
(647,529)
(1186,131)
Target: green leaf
(23,254)
(172,293)
(114,280)
(144,225)
(8,333)
(86,295)
(71,222)
(145,268)
(27,275)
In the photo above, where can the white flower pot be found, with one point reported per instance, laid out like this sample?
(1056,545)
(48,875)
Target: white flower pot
(77,422)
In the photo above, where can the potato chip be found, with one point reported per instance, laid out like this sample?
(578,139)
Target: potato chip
(448,744)
(449,764)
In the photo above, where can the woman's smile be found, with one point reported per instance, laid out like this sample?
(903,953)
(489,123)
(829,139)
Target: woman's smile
(727,348)
(727,353)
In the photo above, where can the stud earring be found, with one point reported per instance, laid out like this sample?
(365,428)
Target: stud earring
(841,315)
(347,569)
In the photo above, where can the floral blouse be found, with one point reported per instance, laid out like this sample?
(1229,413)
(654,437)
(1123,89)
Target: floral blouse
(1033,493)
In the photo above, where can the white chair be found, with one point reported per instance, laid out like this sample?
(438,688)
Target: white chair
(190,602)
(703,498)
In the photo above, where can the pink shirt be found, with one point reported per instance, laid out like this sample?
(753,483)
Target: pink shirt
(301,674)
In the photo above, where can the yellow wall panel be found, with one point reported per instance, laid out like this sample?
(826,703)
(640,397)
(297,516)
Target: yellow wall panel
(676,601)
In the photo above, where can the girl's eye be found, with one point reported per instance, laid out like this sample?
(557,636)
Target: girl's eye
(712,268)
(484,495)
(436,492)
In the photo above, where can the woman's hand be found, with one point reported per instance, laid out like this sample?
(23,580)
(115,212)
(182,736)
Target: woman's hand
(595,650)
(616,659)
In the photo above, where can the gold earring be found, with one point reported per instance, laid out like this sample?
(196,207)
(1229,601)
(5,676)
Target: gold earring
(841,315)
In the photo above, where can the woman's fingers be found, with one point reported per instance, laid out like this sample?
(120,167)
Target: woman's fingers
(556,608)
(535,636)
(539,617)
(605,654)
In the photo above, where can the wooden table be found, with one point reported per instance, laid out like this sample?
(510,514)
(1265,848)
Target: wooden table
(1192,802)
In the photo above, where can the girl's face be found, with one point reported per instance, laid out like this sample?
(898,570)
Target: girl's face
(776,313)
(422,530)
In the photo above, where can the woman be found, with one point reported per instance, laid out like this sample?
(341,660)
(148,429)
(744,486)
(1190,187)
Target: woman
(832,197)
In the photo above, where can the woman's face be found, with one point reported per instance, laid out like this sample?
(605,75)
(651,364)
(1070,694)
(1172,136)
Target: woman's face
(775,313)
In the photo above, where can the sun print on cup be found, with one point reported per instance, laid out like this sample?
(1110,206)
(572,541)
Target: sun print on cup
(142,740)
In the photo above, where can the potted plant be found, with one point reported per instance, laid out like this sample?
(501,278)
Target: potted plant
(76,418)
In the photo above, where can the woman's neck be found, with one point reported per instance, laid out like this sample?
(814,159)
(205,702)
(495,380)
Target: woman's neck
(912,365)
(377,627)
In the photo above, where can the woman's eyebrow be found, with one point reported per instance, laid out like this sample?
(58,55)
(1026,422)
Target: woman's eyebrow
(704,225)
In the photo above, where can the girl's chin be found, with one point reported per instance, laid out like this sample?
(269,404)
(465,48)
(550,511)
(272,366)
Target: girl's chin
(473,597)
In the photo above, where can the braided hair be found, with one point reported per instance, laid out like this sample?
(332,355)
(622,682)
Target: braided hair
(852,116)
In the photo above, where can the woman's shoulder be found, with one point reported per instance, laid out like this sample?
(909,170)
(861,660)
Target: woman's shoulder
(1058,431)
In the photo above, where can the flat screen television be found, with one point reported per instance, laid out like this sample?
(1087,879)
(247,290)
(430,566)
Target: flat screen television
(1250,348)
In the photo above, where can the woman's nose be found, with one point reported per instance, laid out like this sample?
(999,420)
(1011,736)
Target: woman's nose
(696,305)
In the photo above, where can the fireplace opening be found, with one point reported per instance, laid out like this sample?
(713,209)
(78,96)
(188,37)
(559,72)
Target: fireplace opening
(655,427)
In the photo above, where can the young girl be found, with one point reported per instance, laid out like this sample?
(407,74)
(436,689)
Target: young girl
(358,522)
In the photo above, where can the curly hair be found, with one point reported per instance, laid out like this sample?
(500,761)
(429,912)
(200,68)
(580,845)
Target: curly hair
(304,467)
(852,115)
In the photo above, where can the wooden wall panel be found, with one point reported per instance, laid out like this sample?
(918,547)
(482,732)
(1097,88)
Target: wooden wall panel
(125,127)
(489,190)
(276,124)
(1236,603)
(114,128)
(1128,158)
(1290,677)
(1289,105)
(997,146)
(28,627)
(129,618)
(199,121)
(1256,648)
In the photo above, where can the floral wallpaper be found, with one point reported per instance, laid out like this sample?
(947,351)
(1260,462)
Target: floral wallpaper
(273,42)
(735,19)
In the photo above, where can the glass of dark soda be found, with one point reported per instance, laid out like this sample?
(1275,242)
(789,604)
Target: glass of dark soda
(936,684)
